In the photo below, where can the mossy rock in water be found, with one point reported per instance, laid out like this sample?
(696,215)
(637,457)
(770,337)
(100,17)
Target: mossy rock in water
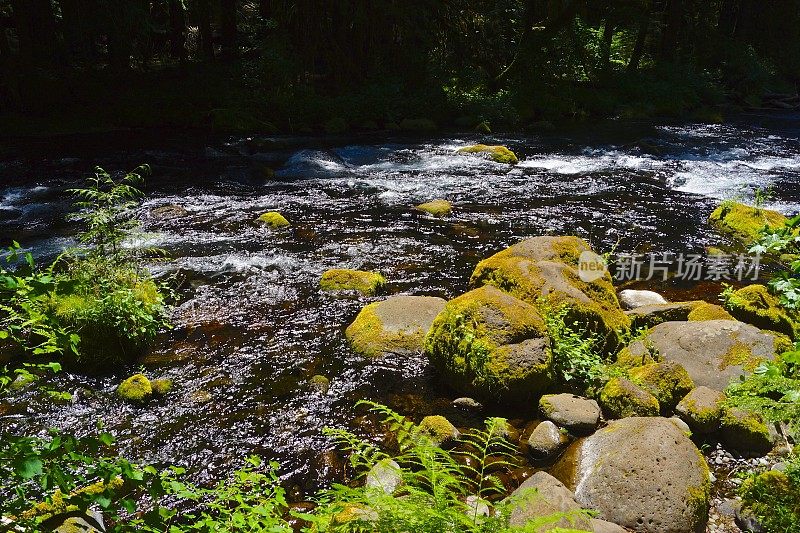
(743,222)
(755,305)
(417,124)
(135,389)
(547,267)
(667,381)
(273,219)
(498,154)
(437,428)
(104,341)
(161,386)
(745,431)
(621,398)
(437,208)
(339,279)
(707,311)
(395,325)
(702,409)
(320,384)
(492,345)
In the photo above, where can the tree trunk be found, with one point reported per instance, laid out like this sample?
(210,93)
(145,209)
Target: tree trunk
(638,47)
(177,30)
(206,33)
(672,28)
(605,50)
(36,31)
(228,37)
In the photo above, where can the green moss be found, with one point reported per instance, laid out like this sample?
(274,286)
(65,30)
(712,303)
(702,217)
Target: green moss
(547,267)
(437,208)
(491,344)
(740,354)
(498,154)
(368,336)
(698,498)
(320,383)
(368,283)
(161,386)
(635,354)
(755,305)
(774,498)
(667,381)
(743,222)
(707,311)
(438,429)
(58,505)
(703,418)
(621,398)
(273,219)
(136,389)
(745,430)
(417,124)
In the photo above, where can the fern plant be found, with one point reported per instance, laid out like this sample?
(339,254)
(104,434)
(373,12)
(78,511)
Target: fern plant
(576,354)
(437,490)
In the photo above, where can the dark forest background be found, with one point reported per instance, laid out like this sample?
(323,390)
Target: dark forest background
(331,66)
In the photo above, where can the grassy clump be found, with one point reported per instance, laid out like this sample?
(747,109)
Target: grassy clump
(774,498)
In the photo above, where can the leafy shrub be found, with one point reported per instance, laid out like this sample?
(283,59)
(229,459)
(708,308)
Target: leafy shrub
(576,357)
(774,498)
(784,240)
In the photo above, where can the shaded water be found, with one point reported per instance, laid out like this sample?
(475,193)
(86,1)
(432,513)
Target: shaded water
(251,324)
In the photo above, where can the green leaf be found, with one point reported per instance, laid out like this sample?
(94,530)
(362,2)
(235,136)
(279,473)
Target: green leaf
(29,467)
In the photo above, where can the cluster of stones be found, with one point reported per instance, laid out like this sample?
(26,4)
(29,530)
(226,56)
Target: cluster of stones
(624,450)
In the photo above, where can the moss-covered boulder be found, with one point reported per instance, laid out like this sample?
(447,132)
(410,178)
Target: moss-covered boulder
(547,267)
(320,384)
(707,311)
(755,305)
(438,429)
(490,344)
(621,398)
(648,316)
(714,352)
(395,325)
(417,124)
(644,474)
(635,354)
(498,154)
(667,381)
(340,279)
(744,223)
(437,208)
(135,389)
(161,386)
(745,431)
(702,409)
(273,219)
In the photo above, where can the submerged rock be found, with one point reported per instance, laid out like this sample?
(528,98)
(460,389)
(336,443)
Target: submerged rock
(437,208)
(631,299)
(338,279)
(713,352)
(135,389)
(641,473)
(547,267)
(573,413)
(498,154)
(755,305)
(168,212)
(492,345)
(744,223)
(273,219)
(395,325)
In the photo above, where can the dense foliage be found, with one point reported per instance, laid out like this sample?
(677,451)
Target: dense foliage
(294,65)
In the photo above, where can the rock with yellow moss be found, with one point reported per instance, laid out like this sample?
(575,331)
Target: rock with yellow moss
(702,409)
(713,352)
(135,389)
(745,431)
(744,223)
(489,344)
(637,353)
(436,208)
(498,154)
(755,305)
(547,268)
(621,398)
(340,279)
(667,381)
(648,316)
(274,220)
(707,311)
(438,429)
(395,325)
(644,474)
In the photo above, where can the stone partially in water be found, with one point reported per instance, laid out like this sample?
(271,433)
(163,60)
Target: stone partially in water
(340,279)
(385,475)
(547,267)
(631,299)
(755,305)
(395,325)
(744,223)
(320,384)
(135,389)
(713,352)
(641,473)
(168,212)
(573,413)
(161,386)
(491,345)
(438,429)
(274,220)
(649,316)
(546,440)
(498,154)
(437,208)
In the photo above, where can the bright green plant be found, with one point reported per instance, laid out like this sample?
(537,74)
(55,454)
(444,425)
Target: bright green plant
(576,353)
(774,497)
(784,240)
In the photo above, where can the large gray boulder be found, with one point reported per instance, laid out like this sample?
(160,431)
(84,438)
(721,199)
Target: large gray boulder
(641,473)
(651,315)
(573,413)
(394,325)
(713,352)
(631,299)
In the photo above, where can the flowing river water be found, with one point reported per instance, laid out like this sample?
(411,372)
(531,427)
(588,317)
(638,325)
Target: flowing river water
(251,325)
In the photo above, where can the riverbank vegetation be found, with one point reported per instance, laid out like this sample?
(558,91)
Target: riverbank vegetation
(292,66)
